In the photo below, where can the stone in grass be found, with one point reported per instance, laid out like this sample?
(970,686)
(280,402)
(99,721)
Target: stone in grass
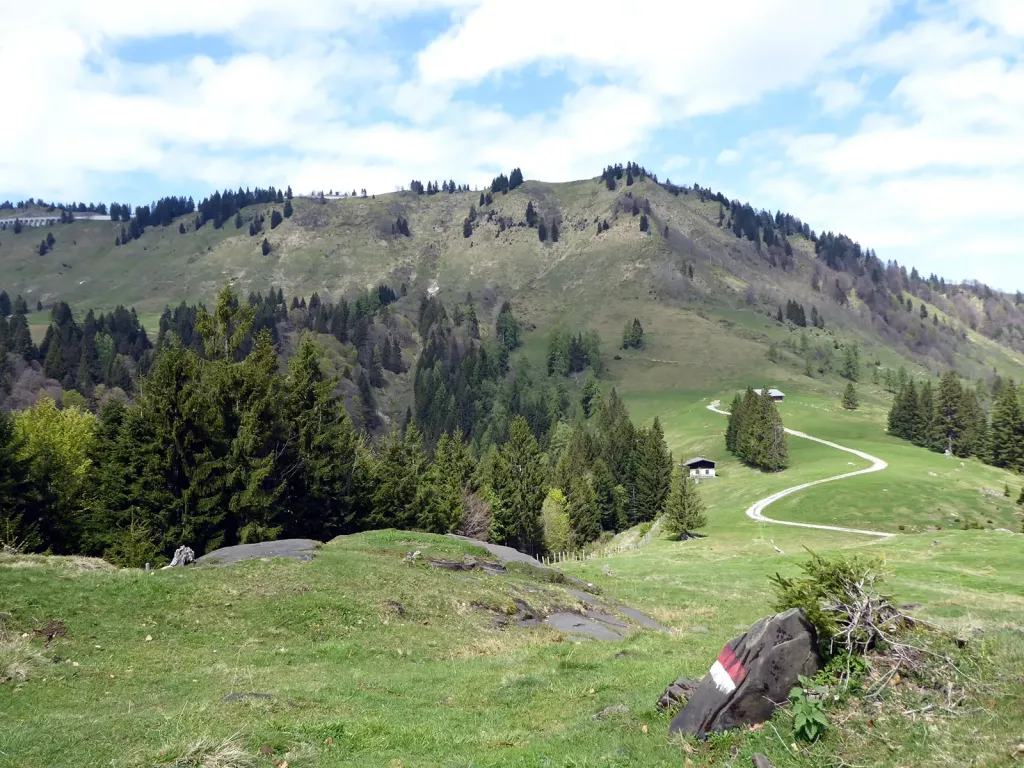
(677,694)
(615,709)
(760,761)
(752,675)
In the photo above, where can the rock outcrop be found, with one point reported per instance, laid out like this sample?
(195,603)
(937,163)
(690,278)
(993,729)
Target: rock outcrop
(753,674)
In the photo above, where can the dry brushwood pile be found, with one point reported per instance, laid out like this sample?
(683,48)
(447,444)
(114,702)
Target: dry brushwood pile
(870,643)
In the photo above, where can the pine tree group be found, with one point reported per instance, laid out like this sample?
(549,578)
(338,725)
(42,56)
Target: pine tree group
(950,419)
(755,432)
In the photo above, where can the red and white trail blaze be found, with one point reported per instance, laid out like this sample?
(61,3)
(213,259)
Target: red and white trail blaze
(727,671)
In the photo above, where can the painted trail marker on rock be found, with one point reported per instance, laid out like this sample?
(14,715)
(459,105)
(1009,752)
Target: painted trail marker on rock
(727,671)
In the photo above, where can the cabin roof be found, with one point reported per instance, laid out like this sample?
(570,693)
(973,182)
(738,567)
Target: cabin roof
(697,460)
(771,393)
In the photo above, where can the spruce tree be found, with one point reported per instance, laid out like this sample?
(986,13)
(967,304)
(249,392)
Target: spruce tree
(1007,430)
(17,492)
(851,362)
(255,478)
(542,230)
(652,472)
(584,513)
(322,461)
(288,210)
(609,500)
(952,427)
(684,508)
(850,401)
(734,422)
(519,487)
(450,475)
(401,471)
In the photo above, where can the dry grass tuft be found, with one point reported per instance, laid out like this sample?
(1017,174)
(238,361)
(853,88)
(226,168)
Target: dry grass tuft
(18,655)
(209,753)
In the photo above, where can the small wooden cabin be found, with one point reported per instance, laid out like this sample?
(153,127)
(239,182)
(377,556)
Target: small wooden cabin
(774,394)
(700,467)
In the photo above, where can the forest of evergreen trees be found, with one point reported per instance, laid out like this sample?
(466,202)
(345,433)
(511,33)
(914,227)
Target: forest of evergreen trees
(220,443)
(950,417)
(755,433)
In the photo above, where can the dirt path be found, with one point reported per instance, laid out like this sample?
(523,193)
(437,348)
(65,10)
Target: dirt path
(755,510)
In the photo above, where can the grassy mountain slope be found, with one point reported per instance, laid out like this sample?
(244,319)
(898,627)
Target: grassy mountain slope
(355,683)
(700,332)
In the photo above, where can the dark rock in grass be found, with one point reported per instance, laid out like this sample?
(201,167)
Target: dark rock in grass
(576,624)
(753,674)
(760,761)
(677,694)
(615,709)
(243,695)
(300,549)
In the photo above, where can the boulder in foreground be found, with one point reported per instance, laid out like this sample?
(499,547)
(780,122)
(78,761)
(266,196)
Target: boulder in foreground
(753,674)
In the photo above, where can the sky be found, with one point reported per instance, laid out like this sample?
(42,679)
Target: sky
(898,123)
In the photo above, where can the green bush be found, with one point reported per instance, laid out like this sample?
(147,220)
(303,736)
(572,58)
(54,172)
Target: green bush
(829,587)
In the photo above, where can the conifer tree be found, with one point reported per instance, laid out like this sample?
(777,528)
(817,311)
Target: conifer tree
(584,513)
(851,362)
(1007,430)
(684,508)
(17,528)
(439,504)
(610,497)
(542,230)
(519,487)
(734,423)
(325,448)
(531,214)
(950,430)
(401,473)
(288,210)
(256,484)
(652,473)
(850,401)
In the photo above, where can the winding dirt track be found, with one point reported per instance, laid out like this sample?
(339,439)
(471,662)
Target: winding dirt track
(756,509)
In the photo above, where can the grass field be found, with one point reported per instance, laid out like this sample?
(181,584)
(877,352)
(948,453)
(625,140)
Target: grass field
(356,681)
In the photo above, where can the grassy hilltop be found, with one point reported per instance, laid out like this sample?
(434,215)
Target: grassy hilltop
(357,680)
(702,331)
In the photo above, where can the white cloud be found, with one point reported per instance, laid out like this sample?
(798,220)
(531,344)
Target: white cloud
(839,96)
(315,93)
(676,163)
(935,175)
(728,157)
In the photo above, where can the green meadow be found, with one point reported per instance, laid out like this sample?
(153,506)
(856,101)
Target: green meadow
(375,661)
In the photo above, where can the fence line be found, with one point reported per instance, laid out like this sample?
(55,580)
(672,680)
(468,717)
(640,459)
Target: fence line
(582,554)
